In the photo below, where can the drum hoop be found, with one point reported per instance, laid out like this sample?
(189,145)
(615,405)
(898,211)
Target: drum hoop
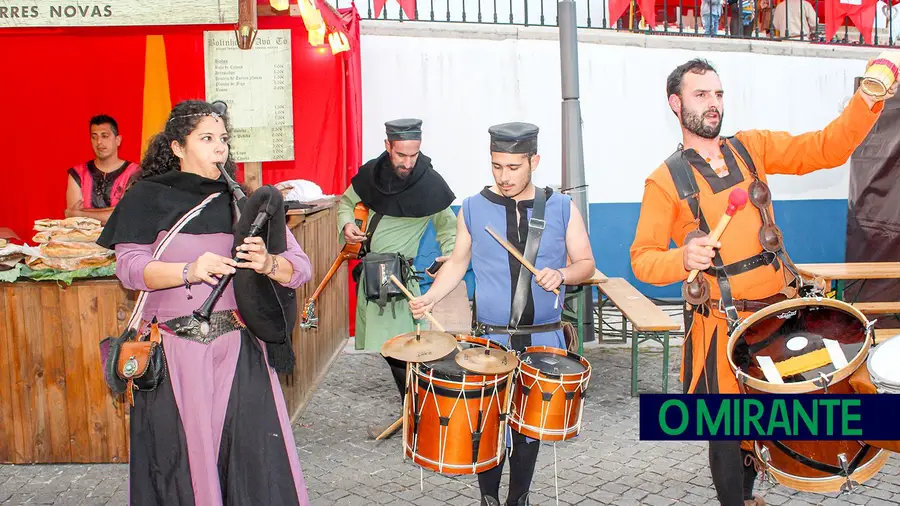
(878,460)
(455,467)
(492,382)
(577,380)
(801,386)
(876,378)
(535,372)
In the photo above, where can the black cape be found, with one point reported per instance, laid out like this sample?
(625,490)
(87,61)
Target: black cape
(423,193)
(156,203)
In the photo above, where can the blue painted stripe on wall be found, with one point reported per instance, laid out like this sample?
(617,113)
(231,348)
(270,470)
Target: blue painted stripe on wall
(814,231)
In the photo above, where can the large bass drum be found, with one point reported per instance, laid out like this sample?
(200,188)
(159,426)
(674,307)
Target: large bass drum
(801,346)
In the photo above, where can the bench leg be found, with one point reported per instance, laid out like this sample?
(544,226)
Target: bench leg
(634,362)
(665,382)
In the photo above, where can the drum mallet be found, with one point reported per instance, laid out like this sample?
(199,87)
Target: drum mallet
(410,296)
(515,253)
(737,199)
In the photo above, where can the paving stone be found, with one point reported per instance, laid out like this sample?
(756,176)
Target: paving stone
(605,464)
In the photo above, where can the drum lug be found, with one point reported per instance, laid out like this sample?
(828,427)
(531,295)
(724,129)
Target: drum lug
(766,460)
(742,380)
(823,382)
(870,332)
(849,486)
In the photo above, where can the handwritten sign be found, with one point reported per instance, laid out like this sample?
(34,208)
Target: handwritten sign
(256,85)
(37,13)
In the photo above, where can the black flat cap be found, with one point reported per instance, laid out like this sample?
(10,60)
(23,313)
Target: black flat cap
(406,129)
(514,137)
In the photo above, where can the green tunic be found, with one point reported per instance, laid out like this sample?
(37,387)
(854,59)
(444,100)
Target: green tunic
(393,235)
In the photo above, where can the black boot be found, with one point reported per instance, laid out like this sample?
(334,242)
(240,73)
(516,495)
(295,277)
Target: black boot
(523,501)
(487,500)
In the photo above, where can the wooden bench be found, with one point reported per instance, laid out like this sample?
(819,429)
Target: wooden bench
(878,308)
(882,334)
(649,321)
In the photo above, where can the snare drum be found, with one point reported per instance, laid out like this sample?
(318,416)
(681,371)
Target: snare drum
(453,421)
(880,374)
(884,366)
(806,346)
(548,398)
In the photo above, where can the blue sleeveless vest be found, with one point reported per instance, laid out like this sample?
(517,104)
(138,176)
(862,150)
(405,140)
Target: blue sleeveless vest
(496,271)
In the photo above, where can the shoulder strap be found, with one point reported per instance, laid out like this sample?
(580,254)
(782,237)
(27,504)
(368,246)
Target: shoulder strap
(532,242)
(163,244)
(686,186)
(370,230)
(742,151)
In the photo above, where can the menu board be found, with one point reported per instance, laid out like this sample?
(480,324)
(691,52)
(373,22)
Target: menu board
(256,85)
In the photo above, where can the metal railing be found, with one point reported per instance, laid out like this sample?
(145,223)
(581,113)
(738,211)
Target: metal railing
(789,20)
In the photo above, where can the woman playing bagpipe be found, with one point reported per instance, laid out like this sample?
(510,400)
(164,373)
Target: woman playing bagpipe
(209,424)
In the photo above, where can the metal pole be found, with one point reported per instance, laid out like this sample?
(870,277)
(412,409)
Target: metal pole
(572,143)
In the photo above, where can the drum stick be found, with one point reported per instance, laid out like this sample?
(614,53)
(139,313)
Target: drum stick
(390,430)
(736,201)
(514,252)
(410,296)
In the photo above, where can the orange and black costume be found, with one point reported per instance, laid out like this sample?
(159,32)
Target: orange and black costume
(685,196)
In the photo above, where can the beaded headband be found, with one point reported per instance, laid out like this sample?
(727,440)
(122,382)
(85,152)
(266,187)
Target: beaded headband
(219,110)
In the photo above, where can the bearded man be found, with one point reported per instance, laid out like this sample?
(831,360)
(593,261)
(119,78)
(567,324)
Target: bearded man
(748,268)
(403,194)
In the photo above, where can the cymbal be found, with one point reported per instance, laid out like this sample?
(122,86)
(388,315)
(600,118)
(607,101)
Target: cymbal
(487,360)
(430,345)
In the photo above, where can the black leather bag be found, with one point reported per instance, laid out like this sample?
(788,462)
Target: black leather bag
(377,269)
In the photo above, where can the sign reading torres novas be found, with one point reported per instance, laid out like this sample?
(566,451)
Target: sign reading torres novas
(37,13)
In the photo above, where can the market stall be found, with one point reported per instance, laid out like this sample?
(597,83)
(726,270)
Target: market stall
(58,302)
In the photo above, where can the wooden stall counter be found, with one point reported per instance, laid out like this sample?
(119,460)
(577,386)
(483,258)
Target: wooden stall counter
(55,406)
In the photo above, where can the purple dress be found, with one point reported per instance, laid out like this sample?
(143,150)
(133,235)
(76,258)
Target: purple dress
(217,431)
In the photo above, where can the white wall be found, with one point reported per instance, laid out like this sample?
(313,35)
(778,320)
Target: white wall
(461,86)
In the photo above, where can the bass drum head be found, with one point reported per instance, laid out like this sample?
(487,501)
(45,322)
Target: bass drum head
(790,344)
(884,365)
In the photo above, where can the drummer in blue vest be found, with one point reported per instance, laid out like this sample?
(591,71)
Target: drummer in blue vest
(513,307)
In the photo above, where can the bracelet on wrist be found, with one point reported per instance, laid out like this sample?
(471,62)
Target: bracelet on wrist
(184,277)
(274,265)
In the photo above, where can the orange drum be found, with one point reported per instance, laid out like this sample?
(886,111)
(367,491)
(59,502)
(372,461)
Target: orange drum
(806,346)
(549,394)
(452,421)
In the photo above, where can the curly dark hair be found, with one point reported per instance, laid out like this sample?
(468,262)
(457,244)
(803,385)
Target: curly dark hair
(183,119)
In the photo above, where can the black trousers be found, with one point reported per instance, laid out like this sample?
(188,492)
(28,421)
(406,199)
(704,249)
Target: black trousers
(521,471)
(398,371)
(731,475)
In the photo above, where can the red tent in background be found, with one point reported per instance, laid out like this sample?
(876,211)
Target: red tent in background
(55,79)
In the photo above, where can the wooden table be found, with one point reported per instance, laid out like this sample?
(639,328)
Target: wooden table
(55,406)
(841,273)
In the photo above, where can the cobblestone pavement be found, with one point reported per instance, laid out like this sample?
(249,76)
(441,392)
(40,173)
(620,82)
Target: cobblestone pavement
(606,464)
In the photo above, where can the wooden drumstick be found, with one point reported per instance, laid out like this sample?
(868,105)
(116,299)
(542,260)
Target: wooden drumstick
(737,199)
(410,296)
(514,252)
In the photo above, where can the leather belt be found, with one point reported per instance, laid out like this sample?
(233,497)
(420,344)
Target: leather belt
(220,323)
(481,329)
(745,305)
(747,264)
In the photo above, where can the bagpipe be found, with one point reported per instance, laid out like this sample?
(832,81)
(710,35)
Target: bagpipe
(267,308)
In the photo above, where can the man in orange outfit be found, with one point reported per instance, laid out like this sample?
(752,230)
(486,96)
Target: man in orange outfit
(741,274)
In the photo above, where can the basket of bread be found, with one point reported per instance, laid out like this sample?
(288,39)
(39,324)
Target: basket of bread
(69,245)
